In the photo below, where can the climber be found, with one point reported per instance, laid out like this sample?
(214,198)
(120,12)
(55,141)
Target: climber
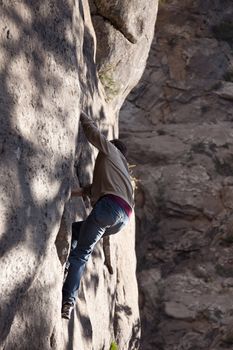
(111,195)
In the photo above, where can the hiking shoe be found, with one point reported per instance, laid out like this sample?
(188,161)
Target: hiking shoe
(66,310)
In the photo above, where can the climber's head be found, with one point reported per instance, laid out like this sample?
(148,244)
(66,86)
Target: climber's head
(120,145)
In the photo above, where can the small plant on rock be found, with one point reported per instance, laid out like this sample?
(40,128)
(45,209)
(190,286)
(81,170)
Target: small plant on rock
(113,346)
(107,80)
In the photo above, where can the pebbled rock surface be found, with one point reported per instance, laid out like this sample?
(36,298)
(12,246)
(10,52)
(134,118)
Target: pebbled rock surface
(48,74)
(178,127)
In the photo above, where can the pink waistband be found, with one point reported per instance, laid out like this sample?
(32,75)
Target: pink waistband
(122,203)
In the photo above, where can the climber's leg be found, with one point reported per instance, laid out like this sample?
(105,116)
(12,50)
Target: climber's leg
(76,226)
(105,214)
(117,227)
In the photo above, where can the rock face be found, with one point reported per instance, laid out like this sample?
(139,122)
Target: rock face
(48,74)
(178,126)
(124,31)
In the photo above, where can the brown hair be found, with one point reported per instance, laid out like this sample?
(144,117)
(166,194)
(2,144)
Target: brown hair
(121,146)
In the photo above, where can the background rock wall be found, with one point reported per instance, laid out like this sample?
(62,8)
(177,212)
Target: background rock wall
(48,74)
(178,126)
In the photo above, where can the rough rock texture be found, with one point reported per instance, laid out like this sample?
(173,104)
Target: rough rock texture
(178,126)
(47,74)
(124,31)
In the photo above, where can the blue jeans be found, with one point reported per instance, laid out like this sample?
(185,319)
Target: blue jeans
(106,218)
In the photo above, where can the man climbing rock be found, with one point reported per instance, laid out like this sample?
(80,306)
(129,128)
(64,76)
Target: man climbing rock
(111,195)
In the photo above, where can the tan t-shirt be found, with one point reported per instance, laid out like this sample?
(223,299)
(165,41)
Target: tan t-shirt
(111,174)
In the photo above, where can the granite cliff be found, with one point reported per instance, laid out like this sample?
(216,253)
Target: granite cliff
(56,58)
(178,124)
